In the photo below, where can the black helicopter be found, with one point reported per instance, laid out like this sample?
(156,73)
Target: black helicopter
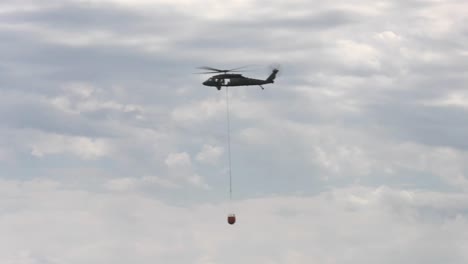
(232,79)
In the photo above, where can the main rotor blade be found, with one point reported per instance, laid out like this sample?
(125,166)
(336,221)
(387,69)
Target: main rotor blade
(218,70)
(238,68)
(205,72)
(210,68)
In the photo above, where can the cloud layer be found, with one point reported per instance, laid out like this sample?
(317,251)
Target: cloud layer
(111,150)
(348,225)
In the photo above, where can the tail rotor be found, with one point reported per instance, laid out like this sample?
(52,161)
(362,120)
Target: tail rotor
(275,69)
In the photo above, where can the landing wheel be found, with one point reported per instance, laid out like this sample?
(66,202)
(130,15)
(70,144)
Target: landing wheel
(218,87)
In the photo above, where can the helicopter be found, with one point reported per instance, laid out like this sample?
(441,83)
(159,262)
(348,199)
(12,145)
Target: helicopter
(227,78)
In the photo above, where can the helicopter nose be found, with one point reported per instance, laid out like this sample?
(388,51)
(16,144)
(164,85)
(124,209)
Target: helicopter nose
(205,83)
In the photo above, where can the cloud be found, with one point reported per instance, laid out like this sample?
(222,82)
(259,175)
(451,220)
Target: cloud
(454,99)
(85,226)
(181,170)
(85,148)
(209,154)
(200,111)
(357,56)
(132,183)
(178,160)
(342,74)
(111,145)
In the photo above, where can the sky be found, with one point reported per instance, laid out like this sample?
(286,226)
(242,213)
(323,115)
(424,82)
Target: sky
(112,151)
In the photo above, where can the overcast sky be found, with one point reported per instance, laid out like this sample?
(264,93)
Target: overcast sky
(112,151)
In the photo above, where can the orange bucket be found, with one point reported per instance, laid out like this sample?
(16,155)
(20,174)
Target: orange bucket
(231,219)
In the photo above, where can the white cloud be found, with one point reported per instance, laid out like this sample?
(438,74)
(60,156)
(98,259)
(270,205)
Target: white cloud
(8,7)
(371,93)
(84,98)
(83,90)
(456,98)
(181,171)
(343,160)
(253,135)
(91,38)
(357,55)
(137,183)
(342,224)
(121,184)
(180,160)
(388,37)
(205,8)
(200,112)
(159,181)
(356,154)
(82,147)
(210,154)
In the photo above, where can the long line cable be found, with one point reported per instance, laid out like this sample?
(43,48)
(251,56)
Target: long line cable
(229,142)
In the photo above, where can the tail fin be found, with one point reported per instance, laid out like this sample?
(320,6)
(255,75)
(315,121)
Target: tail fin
(272,76)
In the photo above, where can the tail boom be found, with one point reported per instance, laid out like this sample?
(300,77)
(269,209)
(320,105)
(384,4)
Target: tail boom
(271,78)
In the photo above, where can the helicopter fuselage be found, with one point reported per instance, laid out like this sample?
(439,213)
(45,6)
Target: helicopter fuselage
(228,79)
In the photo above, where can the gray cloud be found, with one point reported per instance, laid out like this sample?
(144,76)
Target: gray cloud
(104,126)
(82,226)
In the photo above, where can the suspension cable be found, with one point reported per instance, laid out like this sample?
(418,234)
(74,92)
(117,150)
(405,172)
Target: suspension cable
(229,142)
